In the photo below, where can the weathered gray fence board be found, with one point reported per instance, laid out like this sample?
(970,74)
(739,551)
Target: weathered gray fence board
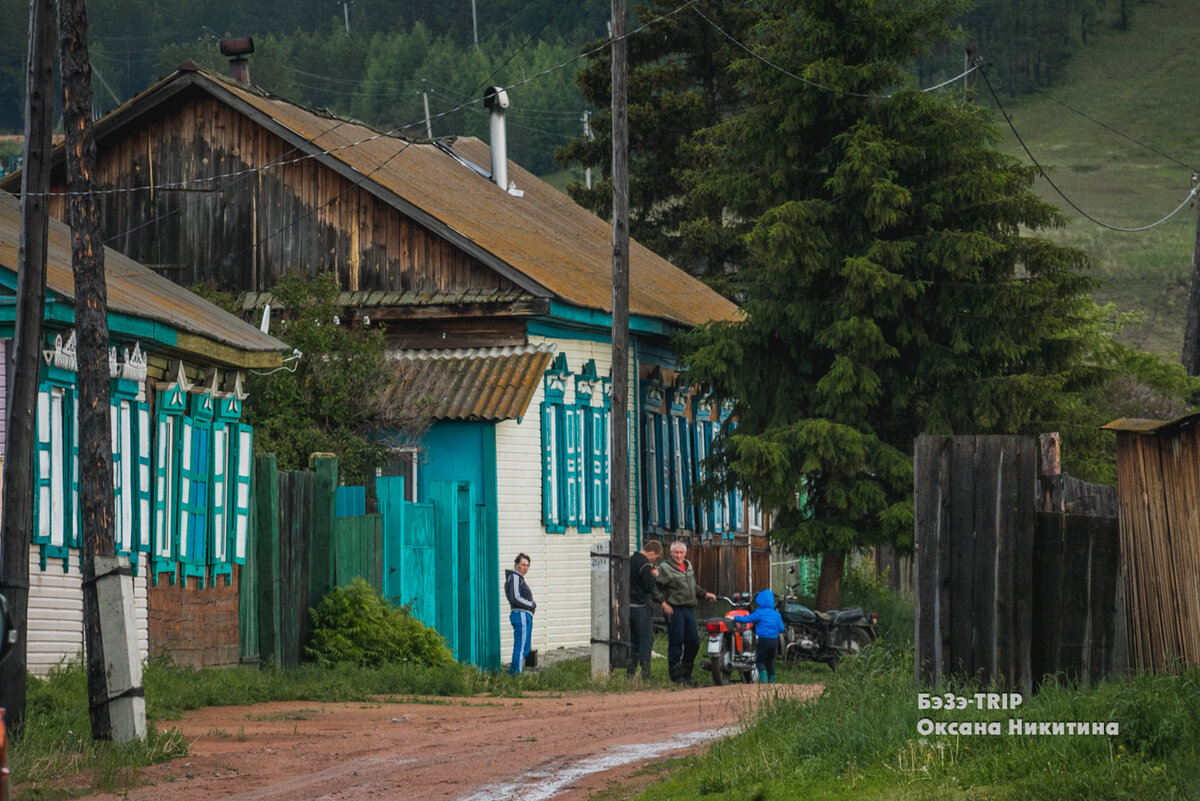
(974,519)
(1080,621)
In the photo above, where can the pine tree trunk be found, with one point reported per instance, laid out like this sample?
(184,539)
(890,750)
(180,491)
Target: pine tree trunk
(829,586)
(91,332)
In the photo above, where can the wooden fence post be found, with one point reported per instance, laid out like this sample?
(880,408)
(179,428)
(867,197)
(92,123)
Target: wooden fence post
(324,504)
(266,539)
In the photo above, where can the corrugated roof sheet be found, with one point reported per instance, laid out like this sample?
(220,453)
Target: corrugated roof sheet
(136,291)
(472,383)
(544,235)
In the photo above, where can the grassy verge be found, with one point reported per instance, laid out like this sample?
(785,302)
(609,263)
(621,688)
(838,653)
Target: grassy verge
(863,739)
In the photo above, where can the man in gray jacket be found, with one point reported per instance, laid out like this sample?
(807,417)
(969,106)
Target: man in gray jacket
(681,593)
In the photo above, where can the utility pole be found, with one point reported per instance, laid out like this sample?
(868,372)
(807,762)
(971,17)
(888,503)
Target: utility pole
(17,531)
(1191,330)
(428,121)
(474,26)
(969,79)
(587,137)
(619,487)
(116,701)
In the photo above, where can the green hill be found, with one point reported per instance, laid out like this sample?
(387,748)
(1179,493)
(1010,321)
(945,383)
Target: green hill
(1136,83)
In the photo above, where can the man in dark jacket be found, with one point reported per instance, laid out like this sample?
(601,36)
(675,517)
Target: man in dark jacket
(643,590)
(520,601)
(681,593)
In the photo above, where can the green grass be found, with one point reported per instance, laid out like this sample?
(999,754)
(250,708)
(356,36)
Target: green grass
(860,741)
(1132,82)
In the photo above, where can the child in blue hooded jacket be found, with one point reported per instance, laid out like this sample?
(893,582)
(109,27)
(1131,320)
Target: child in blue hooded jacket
(768,625)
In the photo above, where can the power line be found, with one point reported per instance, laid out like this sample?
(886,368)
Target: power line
(1042,172)
(1108,127)
(394,132)
(813,84)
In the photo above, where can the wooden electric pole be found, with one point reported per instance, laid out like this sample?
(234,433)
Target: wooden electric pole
(24,364)
(114,677)
(619,459)
(1191,330)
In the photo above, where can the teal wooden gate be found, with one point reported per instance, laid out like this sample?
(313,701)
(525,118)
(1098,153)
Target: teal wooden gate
(439,558)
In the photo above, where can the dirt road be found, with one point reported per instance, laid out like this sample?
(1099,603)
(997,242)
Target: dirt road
(482,749)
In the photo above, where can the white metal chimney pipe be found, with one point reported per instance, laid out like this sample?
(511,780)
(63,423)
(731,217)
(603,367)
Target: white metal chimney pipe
(496,99)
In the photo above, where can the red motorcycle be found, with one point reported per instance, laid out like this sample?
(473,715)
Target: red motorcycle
(731,644)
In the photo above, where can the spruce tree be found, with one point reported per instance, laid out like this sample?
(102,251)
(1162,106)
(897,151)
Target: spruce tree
(679,83)
(893,281)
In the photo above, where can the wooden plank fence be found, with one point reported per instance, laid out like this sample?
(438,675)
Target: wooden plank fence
(1079,616)
(1004,593)
(974,581)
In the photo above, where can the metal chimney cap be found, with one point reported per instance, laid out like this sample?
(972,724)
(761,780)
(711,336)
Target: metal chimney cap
(242,46)
(495,97)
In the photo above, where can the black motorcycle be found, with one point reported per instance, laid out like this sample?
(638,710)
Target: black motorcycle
(823,636)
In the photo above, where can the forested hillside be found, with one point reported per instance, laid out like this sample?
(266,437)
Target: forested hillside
(379,59)
(1094,87)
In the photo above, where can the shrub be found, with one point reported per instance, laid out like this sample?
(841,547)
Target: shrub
(357,624)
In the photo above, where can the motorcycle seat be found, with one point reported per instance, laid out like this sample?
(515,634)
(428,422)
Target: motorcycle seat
(842,617)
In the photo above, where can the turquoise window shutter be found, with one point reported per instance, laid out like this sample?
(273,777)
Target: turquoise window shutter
(195,481)
(218,524)
(571,465)
(47,468)
(650,470)
(242,456)
(551,515)
(169,446)
(587,502)
(144,518)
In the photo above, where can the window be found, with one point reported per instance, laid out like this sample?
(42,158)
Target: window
(575,448)
(202,485)
(679,433)
(131,469)
(57,521)
(56,498)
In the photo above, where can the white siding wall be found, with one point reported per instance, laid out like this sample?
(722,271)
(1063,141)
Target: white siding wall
(55,625)
(560,567)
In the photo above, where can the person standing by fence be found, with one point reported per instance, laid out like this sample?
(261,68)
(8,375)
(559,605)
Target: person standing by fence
(643,590)
(520,601)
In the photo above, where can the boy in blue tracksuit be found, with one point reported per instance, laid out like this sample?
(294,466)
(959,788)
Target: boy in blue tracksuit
(768,625)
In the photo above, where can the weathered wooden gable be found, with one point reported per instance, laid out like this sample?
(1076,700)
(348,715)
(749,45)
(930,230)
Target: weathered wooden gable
(202,192)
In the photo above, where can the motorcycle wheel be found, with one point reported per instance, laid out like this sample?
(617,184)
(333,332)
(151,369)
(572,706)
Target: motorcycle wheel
(720,667)
(720,675)
(749,676)
(858,641)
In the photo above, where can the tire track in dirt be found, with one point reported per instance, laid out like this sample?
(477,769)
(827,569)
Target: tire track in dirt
(562,747)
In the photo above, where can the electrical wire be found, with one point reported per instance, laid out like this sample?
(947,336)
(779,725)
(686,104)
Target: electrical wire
(1108,127)
(394,132)
(1044,174)
(813,84)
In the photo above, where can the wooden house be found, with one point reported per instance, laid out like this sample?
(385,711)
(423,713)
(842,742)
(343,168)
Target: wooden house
(181,455)
(498,285)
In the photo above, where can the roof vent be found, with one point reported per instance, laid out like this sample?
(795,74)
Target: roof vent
(496,99)
(236,51)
